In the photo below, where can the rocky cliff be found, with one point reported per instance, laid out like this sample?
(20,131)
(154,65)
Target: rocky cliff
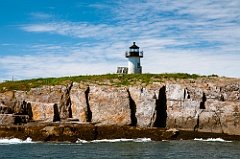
(203,105)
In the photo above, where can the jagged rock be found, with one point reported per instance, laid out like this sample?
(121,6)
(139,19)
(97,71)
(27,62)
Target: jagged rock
(65,103)
(10,119)
(46,94)
(50,95)
(79,102)
(5,110)
(220,117)
(144,103)
(42,111)
(7,99)
(203,105)
(7,119)
(171,133)
(174,92)
(48,101)
(182,112)
(109,105)
(50,130)
(209,107)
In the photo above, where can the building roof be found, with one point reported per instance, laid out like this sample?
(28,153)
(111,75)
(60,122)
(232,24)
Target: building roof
(134,46)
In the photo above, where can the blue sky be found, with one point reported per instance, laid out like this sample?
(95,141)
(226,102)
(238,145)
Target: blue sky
(54,38)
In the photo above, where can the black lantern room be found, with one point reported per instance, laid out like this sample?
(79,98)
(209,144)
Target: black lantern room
(134,51)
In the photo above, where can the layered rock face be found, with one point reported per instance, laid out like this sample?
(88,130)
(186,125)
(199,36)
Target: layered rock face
(109,105)
(41,104)
(79,102)
(147,104)
(204,105)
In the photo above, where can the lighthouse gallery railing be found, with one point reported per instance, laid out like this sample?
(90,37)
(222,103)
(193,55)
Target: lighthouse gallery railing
(134,54)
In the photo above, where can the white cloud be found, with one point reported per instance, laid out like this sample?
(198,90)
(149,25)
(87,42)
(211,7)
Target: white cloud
(39,28)
(75,29)
(191,62)
(200,37)
(50,60)
(46,65)
(40,15)
(6,44)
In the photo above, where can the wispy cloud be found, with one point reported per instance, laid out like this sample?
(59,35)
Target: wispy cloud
(40,15)
(200,37)
(74,29)
(39,28)
(53,65)
(6,44)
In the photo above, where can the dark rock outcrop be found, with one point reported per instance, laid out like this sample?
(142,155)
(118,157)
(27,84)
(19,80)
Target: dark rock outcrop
(75,132)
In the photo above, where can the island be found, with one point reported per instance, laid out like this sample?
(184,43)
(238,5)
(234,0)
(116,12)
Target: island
(113,106)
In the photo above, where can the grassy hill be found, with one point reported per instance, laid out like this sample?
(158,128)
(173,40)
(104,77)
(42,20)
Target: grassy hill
(107,79)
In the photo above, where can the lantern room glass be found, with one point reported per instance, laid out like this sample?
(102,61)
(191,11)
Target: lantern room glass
(134,50)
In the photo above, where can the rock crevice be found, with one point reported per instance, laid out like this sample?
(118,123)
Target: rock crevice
(133,110)
(89,112)
(161,109)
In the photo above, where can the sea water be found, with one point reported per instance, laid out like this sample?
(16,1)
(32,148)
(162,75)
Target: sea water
(121,148)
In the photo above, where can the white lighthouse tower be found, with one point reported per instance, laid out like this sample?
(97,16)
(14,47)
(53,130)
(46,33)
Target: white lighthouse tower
(133,55)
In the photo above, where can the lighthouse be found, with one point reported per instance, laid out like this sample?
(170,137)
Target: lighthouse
(134,55)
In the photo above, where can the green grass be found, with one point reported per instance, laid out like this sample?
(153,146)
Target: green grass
(107,79)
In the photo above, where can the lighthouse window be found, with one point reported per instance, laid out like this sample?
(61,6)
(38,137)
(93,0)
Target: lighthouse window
(134,50)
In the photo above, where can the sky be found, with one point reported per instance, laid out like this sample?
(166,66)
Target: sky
(55,38)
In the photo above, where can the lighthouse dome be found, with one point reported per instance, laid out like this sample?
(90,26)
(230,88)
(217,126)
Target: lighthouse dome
(134,46)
